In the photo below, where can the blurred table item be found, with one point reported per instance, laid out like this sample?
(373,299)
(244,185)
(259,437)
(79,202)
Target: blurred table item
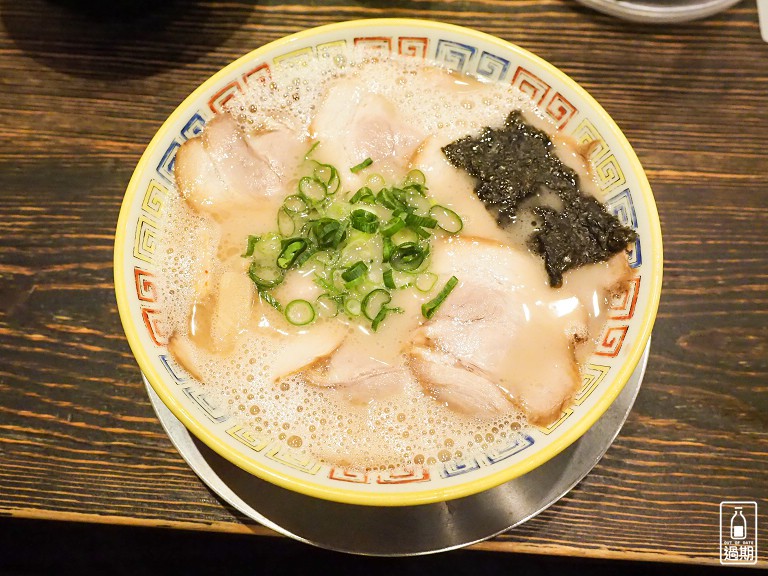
(660,11)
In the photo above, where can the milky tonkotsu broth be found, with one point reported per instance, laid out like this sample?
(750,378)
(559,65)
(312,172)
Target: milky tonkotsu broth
(390,420)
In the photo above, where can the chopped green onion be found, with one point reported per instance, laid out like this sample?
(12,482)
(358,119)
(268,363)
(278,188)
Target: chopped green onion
(421,233)
(353,284)
(324,173)
(388,197)
(389,281)
(326,258)
(363,195)
(312,189)
(326,306)
(375,182)
(285,223)
(328,233)
(364,221)
(360,246)
(251,246)
(428,309)
(292,249)
(422,221)
(418,189)
(271,300)
(405,235)
(331,232)
(415,177)
(352,306)
(299,312)
(392,226)
(309,152)
(355,271)
(400,198)
(305,255)
(325,284)
(268,247)
(265,276)
(374,301)
(295,204)
(446,219)
(388,246)
(416,200)
(364,164)
(334,184)
(426,281)
(381,315)
(328,175)
(407,257)
(379,318)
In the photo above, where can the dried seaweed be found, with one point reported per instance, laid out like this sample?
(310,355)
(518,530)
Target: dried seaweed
(516,162)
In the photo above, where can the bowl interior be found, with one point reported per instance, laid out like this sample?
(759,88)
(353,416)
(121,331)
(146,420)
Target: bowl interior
(621,181)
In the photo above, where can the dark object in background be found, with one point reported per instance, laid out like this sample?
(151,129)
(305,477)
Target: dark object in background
(516,162)
(118,40)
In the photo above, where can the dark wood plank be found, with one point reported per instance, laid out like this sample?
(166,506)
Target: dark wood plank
(84,89)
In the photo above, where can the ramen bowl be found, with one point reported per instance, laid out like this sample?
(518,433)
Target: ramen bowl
(623,188)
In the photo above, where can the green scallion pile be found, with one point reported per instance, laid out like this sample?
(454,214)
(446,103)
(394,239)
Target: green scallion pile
(360,247)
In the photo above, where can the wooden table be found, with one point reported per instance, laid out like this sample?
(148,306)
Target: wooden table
(84,87)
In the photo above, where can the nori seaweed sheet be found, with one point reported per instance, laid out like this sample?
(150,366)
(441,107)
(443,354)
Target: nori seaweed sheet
(515,162)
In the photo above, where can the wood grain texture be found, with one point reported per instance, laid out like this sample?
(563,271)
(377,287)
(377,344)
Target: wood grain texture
(85,88)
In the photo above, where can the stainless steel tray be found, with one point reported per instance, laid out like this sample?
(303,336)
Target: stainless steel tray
(660,11)
(402,531)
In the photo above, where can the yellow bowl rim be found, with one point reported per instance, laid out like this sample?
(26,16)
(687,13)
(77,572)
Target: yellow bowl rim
(431,495)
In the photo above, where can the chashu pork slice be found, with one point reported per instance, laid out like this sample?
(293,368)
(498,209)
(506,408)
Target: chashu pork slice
(226,168)
(496,342)
(353,124)
(296,351)
(360,375)
(289,352)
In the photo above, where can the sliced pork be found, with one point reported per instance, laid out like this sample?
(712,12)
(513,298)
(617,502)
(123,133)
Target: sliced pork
(226,169)
(353,124)
(302,349)
(361,376)
(496,342)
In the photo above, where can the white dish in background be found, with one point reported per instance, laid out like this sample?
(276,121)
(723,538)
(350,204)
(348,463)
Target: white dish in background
(660,11)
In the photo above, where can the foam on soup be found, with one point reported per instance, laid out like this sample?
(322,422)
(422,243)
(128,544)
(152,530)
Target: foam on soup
(243,350)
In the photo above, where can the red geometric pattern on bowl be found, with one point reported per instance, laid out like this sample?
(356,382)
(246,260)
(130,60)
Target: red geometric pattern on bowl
(153,322)
(218,101)
(560,110)
(530,84)
(375,43)
(557,106)
(613,338)
(623,304)
(146,290)
(344,475)
(412,46)
(261,73)
(403,476)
